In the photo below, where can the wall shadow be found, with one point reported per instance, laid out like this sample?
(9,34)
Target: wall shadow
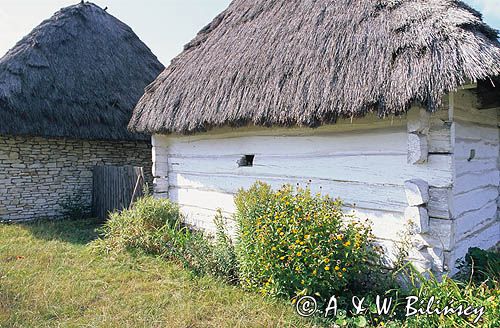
(80,232)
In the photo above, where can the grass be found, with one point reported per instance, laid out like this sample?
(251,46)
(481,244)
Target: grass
(50,277)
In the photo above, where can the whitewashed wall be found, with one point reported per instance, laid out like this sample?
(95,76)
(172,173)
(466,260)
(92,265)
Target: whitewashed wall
(364,163)
(475,194)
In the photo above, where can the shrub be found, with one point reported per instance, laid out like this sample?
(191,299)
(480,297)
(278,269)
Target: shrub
(450,291)
(149,226)
(480,265)
(155,226)
(224,255)
(292,243)
(206,254)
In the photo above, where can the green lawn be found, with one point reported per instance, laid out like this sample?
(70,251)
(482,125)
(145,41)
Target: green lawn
(50,277)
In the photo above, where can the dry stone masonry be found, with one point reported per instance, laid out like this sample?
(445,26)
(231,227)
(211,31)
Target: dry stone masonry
(42,178)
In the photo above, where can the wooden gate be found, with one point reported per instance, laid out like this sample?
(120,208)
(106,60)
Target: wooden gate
(115,188)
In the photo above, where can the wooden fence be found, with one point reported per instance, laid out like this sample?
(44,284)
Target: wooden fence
(115,188)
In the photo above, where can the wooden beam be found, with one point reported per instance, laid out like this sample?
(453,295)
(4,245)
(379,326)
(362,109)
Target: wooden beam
(418,148)
(419,217)
(417,192)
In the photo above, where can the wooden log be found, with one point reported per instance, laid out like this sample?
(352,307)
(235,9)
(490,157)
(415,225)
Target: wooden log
(440,201)
(417,192)
(418,149)
(441,137)
(418,121)
(418,215)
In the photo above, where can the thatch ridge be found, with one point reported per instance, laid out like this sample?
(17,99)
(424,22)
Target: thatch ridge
(76,75)
(307,63)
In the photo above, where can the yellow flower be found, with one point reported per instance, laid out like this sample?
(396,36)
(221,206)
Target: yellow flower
(273,248)
(347,243)
(337,268)
(307,236)
(315,272)
(344,269)
(327,260)
(282,258)
(327,268)
(282,233)
(299,254)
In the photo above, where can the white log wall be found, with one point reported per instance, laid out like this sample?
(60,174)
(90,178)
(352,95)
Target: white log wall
(364,162)
(475,194)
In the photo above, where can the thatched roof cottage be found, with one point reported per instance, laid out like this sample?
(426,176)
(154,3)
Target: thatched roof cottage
(390,105)
(67,91)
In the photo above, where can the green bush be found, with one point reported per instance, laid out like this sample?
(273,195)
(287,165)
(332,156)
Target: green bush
(450,291)
(224,255)
(149,226)
(155,226)
(480,265)
(293,243)
(205,254)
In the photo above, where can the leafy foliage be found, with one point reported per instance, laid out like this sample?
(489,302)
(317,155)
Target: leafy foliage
(149,226)
(155,226)
(293,243)
(479,265)
(451,291)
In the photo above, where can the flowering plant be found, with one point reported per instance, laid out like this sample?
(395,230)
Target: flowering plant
(293,243)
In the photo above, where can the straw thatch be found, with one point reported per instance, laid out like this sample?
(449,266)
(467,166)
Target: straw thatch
(308,62)
(78,75)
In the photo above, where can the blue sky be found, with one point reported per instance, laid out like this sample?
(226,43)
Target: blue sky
(164,25)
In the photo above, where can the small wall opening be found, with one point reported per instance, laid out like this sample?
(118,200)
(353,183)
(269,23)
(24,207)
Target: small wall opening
(246,161)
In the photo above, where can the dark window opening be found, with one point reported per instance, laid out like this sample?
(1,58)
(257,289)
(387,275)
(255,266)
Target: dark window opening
(246,160)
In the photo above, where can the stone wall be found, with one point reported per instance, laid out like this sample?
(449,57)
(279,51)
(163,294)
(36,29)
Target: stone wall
(42,178)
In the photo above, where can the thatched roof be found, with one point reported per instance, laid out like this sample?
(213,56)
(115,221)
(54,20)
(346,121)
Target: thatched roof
(306,63)
(78,75)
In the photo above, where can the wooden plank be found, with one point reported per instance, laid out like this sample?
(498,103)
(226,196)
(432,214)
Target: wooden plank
(439,202)
(371,169)
(369,122)
(473,201)
(362,195)
(482,150)
(478,166)
(417,192)
(419,216)
(475,180)
(485,238)
(441,234)
(377,141)
(469,130)
(466,110)
(112,188)
(441,137)
(418,148)
(473,221)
